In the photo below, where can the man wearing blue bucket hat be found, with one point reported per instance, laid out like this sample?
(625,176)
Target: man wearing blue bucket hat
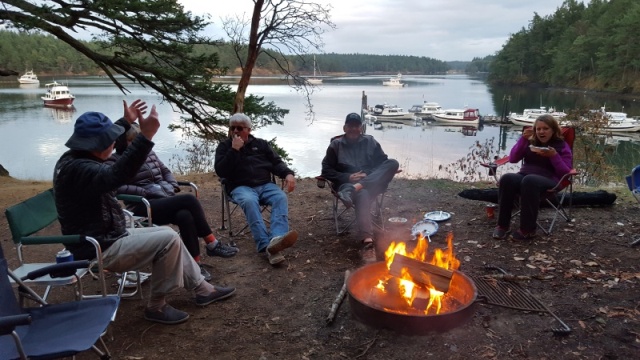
(84,189)
(357,166)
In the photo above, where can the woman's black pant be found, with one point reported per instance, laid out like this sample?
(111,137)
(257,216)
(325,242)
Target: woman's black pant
(183,211)
(530,188)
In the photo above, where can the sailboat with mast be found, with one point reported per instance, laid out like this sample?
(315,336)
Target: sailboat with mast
(314,80)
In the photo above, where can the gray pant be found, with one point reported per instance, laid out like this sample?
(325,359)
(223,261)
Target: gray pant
(373,184)
(160,247)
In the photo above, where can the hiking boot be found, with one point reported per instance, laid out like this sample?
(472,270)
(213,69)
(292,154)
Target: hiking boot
(279,243)
(368,253)
(205,273)
(166,315)
(345,193)
(221,293)
(520,236)
(220,249)
(500,233)
(275,259)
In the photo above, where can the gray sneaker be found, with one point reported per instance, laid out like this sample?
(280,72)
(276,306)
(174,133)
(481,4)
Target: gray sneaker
(279,243)
(205,273)
(166,315)
(275,259)
(222,250)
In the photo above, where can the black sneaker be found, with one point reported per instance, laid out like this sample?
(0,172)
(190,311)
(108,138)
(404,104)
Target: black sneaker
(344,193)
(205,273)
(222,250)
(166,315)
(220,293)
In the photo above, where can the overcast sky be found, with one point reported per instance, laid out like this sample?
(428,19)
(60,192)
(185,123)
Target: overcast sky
(443,29)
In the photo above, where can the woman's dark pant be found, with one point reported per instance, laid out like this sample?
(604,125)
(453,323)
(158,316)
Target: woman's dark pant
(530,188)
(184,211)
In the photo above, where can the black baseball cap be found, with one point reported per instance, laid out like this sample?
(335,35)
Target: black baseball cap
(353,118)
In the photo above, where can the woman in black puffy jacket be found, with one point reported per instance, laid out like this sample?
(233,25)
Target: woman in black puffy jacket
(155,182)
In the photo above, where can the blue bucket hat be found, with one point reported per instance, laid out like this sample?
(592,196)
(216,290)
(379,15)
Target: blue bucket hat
(93,131)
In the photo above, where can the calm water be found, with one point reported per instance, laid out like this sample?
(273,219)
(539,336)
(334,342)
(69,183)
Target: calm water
(32,137)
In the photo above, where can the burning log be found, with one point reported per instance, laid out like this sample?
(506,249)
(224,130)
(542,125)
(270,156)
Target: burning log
(421,273)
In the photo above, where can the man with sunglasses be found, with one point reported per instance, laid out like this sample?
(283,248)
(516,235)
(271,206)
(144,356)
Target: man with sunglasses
(247,164)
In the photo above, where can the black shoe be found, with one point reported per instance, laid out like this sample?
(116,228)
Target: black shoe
(345,192)
(220,293)
(222,250)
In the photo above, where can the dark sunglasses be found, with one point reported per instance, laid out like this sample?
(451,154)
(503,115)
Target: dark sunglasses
(238,127)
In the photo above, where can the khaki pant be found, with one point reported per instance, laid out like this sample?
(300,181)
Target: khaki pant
(161,247)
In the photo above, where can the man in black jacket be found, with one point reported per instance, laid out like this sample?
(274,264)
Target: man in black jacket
(246,163)
(84,189)
(360,171)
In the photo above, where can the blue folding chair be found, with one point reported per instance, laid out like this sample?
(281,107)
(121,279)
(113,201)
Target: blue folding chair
(51,330)
(633,182)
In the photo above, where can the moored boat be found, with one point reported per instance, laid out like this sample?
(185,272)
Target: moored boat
(29,77)
(529,116)
(394,81)
(57,95)
(314,80)
(426,110)
(458,116)
(394,114)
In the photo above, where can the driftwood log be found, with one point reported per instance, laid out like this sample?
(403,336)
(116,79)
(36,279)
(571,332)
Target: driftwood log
(594,198)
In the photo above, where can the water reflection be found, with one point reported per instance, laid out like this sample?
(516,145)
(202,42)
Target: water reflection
(61,115)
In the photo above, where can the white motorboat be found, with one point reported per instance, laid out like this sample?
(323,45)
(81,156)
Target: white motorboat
(57,95)
(468,117)
(29,77)
(426,110)
(314,80)
(529,116)
(394,114)
(616,122)
(394,81)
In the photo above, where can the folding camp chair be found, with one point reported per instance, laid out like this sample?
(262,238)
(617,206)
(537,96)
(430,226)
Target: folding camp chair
(229,207)
(560,197)
(51,330)
(142,221)
(342,218)
(30,217)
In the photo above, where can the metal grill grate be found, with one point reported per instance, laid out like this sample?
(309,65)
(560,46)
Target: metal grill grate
(512,295)
(507,294)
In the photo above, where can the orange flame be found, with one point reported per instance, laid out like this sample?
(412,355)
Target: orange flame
(411,291)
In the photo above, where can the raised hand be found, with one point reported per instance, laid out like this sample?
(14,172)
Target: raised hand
(131,111)
(148,126)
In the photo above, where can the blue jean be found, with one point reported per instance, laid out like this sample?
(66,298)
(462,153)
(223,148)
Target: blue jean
(250,200)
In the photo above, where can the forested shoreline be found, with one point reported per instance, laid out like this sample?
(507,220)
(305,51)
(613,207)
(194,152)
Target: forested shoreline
(592,46)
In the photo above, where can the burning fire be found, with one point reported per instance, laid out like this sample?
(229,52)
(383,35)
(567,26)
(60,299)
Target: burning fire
(416,295)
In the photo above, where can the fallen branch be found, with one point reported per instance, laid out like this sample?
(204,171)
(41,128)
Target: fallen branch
(336,303)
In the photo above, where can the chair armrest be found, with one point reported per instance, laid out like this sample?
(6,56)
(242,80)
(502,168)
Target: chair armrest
(9,323)
(193,186)
(130,198)
(58,239)
(58,270)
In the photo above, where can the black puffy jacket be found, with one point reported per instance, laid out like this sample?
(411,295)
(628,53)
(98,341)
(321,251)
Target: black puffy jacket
(153,180)
(84,189)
